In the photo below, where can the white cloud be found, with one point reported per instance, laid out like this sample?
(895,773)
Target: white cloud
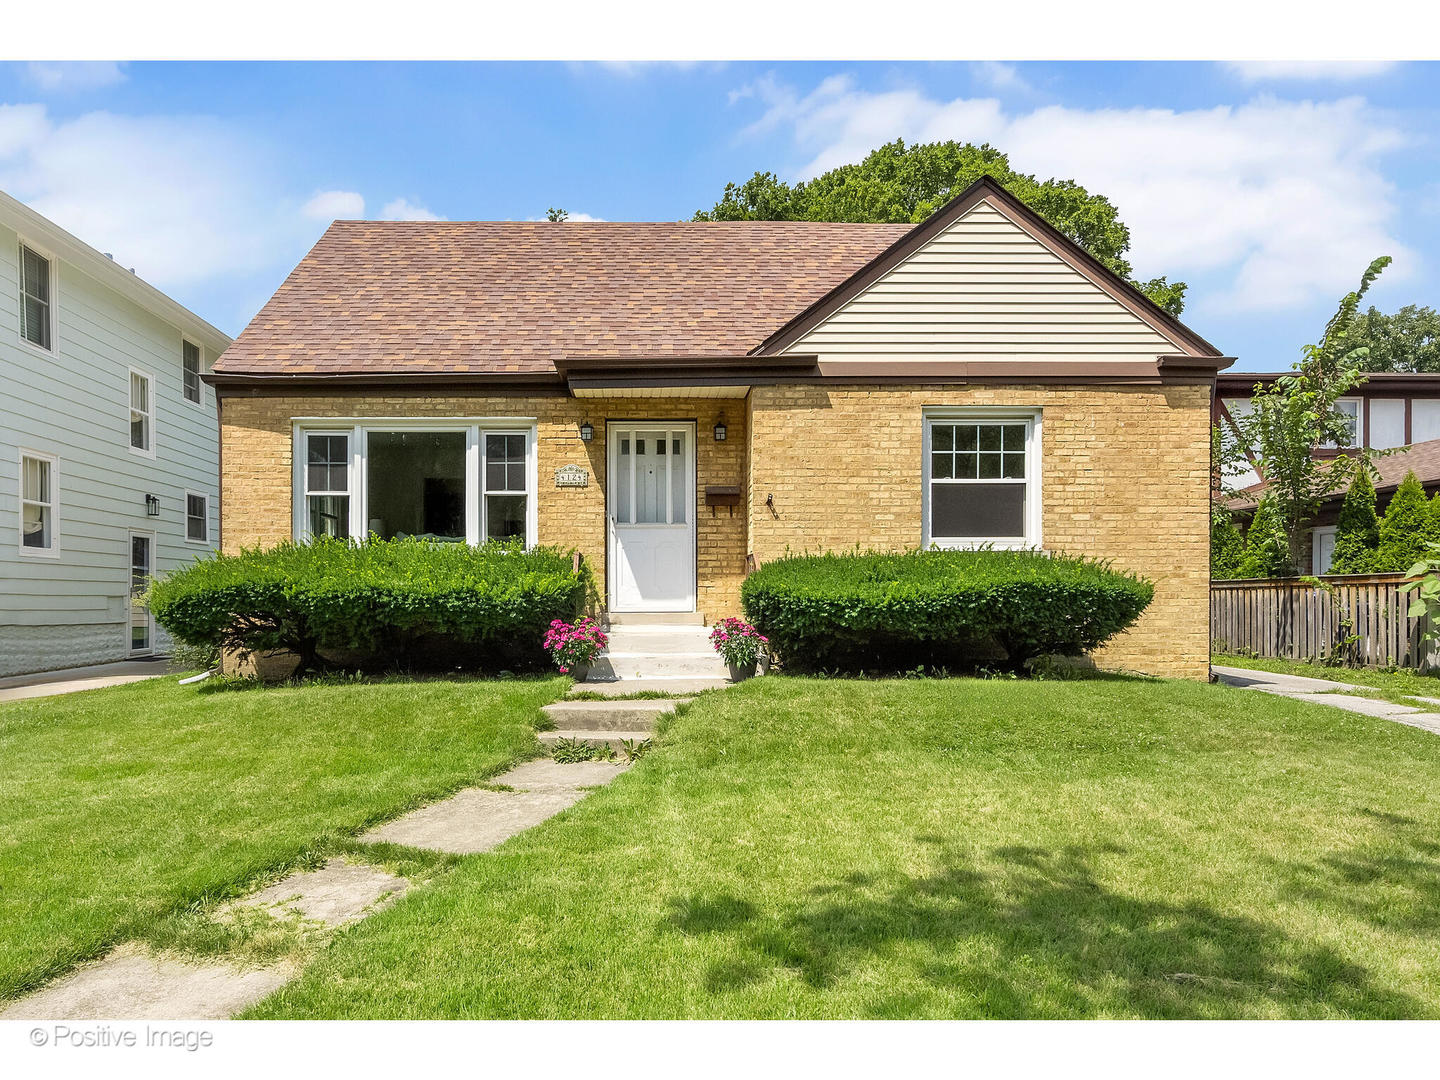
(403,209)
(1313,70)
(329,205)
(74,76)
(1283,198)
(1003,78)
(182,199)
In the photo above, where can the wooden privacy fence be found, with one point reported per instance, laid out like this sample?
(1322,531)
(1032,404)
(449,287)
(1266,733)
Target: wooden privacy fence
(1360,616)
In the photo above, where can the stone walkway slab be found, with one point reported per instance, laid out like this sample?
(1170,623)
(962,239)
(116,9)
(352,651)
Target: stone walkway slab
(133,984)
(1325,692)
(70,680)
(673,687)
(473,820)
(546,775)
(339,892)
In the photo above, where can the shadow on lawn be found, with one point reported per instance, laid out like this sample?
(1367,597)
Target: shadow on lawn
(1032,933)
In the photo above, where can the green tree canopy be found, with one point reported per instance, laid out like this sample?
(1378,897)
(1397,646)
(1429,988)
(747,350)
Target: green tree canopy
(1406,528)
(1408,340)
(1267,549)
(1357,532)
(1227,546)
(906,184)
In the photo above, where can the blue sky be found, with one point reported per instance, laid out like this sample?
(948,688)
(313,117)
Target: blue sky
(1268,187)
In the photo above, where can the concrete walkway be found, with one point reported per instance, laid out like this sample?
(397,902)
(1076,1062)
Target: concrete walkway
(1327,692)
(69,680)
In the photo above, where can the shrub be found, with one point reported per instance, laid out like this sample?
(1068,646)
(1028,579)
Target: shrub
(1267,551)
(1357,532)
(396,603)
(1227,546)
(951,609)
(1406,530)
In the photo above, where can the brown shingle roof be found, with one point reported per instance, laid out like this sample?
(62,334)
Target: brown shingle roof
(1422,458)
(378,297)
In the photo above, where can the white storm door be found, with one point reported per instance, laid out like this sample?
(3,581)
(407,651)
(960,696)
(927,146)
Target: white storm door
(142,569)
(650,507)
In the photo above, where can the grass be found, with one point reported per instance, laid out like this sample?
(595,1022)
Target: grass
(124,810)
(945,848)
(1398,685)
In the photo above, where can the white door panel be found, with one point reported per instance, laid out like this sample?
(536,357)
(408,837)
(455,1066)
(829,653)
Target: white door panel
(650,510)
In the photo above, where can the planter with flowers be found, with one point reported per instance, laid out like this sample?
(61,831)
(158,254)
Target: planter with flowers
(574,646)
(740,645)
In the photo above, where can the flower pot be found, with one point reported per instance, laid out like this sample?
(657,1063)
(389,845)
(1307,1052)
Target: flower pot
(579,672)
(740,674)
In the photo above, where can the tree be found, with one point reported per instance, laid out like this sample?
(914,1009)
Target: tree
(1357,532)
(906,184)
(1227,546)
(1408,340)
(1296,414)
(1407,528)
(554,214)
(1267,551)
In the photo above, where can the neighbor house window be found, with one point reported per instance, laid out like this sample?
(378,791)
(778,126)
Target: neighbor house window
(37,504)
(197,518)
(190,369)
(35,298)
(446,482)
(980,481)
(142,413)
(327,484)
(1349,410)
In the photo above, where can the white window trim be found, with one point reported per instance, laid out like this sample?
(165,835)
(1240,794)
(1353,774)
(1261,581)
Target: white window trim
(46,254)
(53,551)
(1359,420)
(358,429)
(205,542)
(197,403)
(1033,495)
(149,452)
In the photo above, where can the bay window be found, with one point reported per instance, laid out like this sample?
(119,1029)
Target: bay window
(447,481)
(981,479)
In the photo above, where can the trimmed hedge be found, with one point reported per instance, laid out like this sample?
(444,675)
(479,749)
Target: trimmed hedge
(381,603)
(954,609)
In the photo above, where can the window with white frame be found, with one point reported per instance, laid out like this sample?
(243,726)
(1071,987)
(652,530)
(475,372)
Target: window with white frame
(980,481)
(37,504)
(447,481)
(1349,410)
(36,302)
(327,484)
(190,370)
(142,413)
(197,518)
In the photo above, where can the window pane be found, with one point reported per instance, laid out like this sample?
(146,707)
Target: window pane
(504,516)
(966,467)
(1014,436)
(989,465)
(139,431)
(190,365)
(677,482)
(139,393)
(37,276)
(942,465)
(624,447)
(942,437)
(35,526)
(196,517)
(1014,467)
(417,484)
(37,323)
(978,511)
(327,463)
(965,437)
(504,462)
(37,480)
(330,515)
(989,437)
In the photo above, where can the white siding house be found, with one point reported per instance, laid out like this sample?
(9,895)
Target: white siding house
(109,447)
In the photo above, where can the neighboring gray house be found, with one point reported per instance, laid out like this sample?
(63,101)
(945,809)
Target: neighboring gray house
(109,447)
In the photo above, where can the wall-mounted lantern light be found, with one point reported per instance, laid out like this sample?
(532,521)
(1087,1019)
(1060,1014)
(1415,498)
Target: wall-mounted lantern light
(587,431)
(720,429)
(152,506)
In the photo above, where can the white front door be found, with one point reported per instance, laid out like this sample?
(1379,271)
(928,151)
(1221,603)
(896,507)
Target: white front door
(650,506)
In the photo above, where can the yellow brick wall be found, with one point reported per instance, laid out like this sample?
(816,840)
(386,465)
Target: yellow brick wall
(1124,476)
(256,447)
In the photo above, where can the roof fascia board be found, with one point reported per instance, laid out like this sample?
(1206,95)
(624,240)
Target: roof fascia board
(19,217)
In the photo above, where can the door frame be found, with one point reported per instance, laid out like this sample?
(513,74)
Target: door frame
(613,429)
(130,605)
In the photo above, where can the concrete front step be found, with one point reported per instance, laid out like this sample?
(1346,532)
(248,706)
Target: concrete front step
(654,618)
(674,687)
(661,640)
(638,665)
(608,715)
(594,738)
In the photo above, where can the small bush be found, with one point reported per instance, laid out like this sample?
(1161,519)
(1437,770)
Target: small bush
(1357,535)
(1406,530)
(947,609)
(379,604)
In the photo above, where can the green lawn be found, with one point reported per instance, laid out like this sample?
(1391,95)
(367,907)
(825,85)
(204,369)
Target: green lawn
(119,807)
(1397,685)
(799,848)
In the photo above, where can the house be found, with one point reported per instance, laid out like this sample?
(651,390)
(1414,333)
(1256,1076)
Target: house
(684,401)
(109,469)
(1390,410)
